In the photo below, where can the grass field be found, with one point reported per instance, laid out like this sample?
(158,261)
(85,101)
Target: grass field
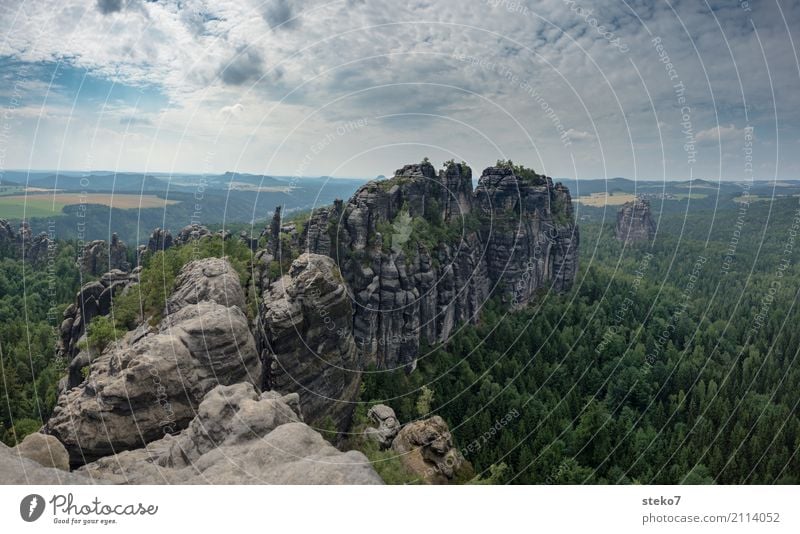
(598,200)
(49,205)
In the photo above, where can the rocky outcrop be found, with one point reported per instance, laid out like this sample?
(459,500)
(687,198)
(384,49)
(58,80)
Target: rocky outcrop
(150,382)
(17,469)
(44,450)
(94,298)
(98,257)
(635,222)
(35,249)
(191,232)
(306,340)
(531,240)
(7,234)
(273,233)
(387,425)
(239,437)
(426,449)
(422,252)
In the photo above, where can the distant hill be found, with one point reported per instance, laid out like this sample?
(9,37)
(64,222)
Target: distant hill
(128,182)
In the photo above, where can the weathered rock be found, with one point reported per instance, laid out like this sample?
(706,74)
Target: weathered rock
(94,298)
(273,234)
(306,339)
(207,279)
(98,256)
(8,237)
(239,437)
(17,469)
(517,236)
(160,239)
(191,232)
(635,222)
(44,450)
(388,425)
(150,383)
(426,449)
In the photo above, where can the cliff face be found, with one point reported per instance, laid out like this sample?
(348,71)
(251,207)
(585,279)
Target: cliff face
(635,222)
(421,252)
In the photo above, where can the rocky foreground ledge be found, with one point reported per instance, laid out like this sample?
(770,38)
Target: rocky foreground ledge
(239,436)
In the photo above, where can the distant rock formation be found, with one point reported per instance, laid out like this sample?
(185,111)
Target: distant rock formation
(150,383)
(635,222)
(239,437)
(413,282)
(22,244)
(98,257)
(190,233)
(306,340)
(426,449)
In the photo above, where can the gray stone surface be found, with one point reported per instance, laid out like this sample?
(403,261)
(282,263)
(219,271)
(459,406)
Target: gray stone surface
(307,343)
(150,383)
(44,450)
(426,448)
(386,425)
(635,222)
(239,437)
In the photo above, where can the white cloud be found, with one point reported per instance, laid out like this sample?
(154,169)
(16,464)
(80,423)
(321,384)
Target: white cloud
(720,133)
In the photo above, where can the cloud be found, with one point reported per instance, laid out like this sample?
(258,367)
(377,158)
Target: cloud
(232,111)
(579,135)
(245,66)
(279,14)
(720,133)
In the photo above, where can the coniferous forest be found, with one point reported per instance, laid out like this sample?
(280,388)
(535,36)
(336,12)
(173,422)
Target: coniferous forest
(674,361)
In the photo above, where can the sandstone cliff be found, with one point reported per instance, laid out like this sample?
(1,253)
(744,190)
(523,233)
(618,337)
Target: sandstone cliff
(422,252)
(150,383)
(635,222)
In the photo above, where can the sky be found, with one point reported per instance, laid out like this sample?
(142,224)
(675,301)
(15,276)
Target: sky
(666,90)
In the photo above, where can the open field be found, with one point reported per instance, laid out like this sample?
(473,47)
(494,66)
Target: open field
(49,205)
(598,200)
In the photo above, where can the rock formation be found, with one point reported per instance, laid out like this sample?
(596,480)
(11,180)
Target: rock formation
(94,298)
(635,222)
(15,468)
(98,257)
(387,425)
(150,383)
(239,437)
(426,449)
(306,340)
(422,252)
(44,450)
(191,232)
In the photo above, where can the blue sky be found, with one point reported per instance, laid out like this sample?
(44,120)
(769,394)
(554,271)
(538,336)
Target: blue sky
(359,87)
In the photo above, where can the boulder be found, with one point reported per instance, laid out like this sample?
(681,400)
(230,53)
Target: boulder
(44,450)
(17,469)
(387,425)
(426,449)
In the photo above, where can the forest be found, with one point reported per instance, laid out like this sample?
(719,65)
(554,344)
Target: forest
(668,362)
(671,362)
